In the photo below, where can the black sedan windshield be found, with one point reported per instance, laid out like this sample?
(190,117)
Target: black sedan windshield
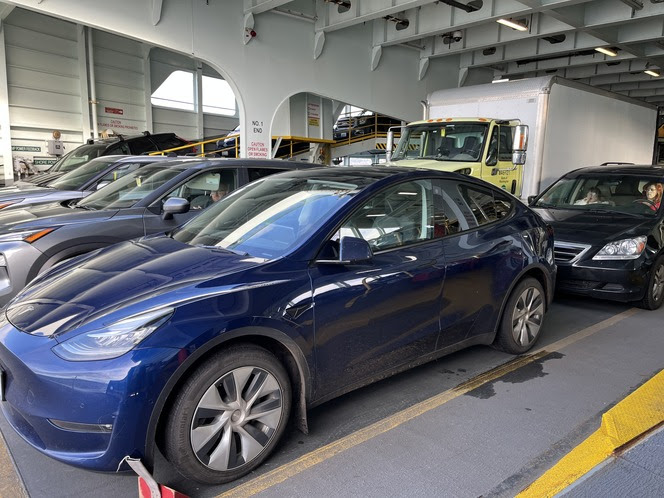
(619,193)
(268,218)
(130,189)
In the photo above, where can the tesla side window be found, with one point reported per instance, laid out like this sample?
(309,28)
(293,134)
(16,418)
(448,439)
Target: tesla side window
(481,204)
(452,214)
(256,173)
(395,217)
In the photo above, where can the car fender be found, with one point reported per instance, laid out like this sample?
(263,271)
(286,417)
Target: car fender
(548,288)
(234,335)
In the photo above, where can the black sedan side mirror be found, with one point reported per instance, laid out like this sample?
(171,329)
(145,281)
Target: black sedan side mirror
(174,205)
(531,199)
(352,250)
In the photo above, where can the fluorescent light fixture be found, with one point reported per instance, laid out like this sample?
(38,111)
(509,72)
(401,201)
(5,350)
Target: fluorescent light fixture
(607,51)
(652,73)
(513,24)
(500,80)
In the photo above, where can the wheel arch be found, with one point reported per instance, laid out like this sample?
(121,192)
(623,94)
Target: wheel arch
(539,273)
(276,342)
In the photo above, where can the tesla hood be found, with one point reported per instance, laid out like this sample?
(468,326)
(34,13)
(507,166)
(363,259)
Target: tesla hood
(121,274)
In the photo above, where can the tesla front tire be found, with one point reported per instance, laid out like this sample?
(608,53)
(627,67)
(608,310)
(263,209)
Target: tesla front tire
(229,415)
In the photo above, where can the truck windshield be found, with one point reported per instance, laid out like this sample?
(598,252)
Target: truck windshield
(617,193)
(458,142)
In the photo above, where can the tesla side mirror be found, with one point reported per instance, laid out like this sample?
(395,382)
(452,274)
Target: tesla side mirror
(352,250)
(174,205)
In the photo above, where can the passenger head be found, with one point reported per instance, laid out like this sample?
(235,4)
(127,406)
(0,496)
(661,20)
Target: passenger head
(594,195)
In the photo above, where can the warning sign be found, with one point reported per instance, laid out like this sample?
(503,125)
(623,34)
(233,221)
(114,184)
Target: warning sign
(313,114)
(113,110)
(258,149)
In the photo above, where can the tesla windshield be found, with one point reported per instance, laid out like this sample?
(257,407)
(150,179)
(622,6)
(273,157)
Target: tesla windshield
(268,218)
(620,193)
(442,141)
(130,189)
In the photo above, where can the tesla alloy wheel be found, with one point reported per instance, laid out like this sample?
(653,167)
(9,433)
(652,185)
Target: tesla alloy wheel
(522,318)
(229,415)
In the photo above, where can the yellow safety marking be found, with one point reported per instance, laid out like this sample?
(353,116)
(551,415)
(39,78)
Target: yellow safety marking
(291,469)
(11,484)
(630,418)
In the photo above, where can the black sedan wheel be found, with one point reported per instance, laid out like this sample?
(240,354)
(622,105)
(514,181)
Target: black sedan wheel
(655,291)
(522,318)
(229,415)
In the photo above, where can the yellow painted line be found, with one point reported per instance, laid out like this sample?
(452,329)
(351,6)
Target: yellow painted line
(638,413)
(326,452)
(11,485)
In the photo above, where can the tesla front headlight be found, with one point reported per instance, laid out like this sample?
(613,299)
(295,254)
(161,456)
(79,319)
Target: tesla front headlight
(28,236)
(622,249)
(113,341)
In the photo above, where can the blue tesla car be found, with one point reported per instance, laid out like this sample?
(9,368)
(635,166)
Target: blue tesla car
(290,291)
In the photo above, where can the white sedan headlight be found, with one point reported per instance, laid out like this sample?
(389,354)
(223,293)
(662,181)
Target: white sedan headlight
(622,249)
(113,341)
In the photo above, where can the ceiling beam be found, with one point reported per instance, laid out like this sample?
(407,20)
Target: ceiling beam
(260,6)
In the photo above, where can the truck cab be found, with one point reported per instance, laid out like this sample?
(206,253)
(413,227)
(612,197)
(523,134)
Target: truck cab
(480,147)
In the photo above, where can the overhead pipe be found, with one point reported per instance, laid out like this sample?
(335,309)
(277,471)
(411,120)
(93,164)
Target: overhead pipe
(93,92)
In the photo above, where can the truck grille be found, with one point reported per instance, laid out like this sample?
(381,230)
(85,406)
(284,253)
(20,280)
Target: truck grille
(566,252)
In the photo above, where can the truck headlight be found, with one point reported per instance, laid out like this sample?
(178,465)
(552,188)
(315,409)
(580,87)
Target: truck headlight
(622,249)
(113,341)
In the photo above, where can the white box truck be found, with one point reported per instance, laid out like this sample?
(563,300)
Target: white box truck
(571,125)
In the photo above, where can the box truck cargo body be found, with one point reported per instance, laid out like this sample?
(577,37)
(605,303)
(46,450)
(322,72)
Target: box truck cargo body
(570,125)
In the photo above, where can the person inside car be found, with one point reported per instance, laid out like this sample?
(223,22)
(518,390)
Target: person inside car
(203,201)
(594,196)
(652,191)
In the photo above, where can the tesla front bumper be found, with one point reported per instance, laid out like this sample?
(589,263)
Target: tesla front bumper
(88,414)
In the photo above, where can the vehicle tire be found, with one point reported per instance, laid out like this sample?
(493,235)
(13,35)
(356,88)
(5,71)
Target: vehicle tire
(228,416)
(655,287)
(522,318)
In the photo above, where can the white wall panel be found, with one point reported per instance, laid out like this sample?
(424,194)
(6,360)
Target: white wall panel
(37,118)
(182,123)
(41,61)
(39,99)
(38,80)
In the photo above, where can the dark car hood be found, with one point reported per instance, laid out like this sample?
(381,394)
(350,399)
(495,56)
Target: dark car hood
(117,277)
(42,178)
(593,228)
(51,214)
(22,191)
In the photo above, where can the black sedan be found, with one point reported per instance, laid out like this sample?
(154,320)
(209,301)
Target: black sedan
(609,232)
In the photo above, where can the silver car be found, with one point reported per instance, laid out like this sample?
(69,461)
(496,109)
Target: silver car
(155,198)
(74,184)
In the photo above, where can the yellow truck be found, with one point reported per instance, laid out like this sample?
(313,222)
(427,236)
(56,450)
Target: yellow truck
(571,125)
(491,149)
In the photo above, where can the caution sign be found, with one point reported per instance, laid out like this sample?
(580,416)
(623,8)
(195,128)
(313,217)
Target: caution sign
(313,114)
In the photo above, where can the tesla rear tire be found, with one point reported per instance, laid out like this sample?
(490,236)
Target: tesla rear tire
(655,288)
(228,416)
(522,318)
